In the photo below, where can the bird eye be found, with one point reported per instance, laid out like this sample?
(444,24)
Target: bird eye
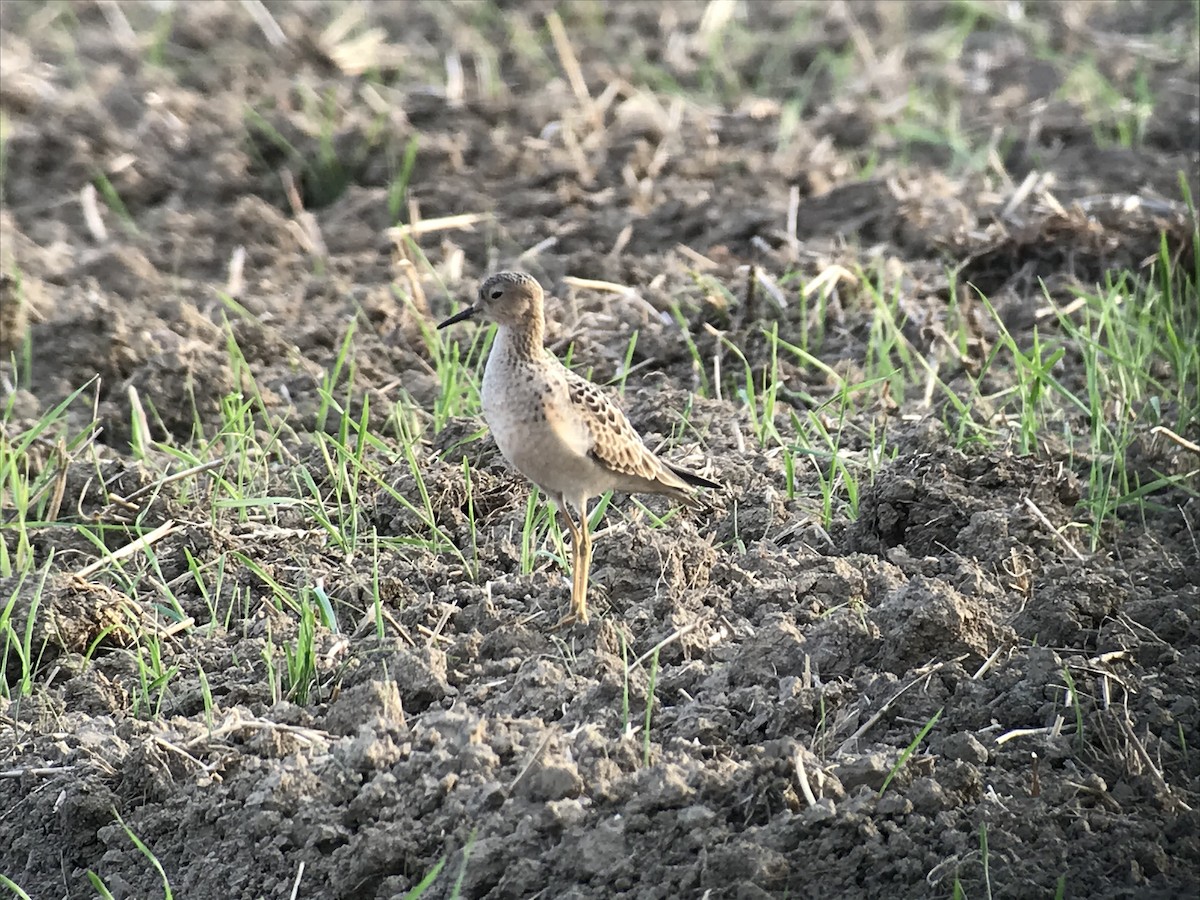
(496,295)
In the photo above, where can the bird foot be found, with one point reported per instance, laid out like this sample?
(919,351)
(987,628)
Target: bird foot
(567,621)
(577,616)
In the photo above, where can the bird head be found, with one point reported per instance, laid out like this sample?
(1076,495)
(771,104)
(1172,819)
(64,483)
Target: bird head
(506,298)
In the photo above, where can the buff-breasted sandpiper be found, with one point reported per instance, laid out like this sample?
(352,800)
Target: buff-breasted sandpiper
(558,429)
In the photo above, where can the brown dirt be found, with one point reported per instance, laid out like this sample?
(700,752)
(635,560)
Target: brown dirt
(804,659)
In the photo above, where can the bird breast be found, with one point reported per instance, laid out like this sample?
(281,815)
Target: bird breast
(537,429)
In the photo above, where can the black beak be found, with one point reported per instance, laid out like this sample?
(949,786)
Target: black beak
(461,316)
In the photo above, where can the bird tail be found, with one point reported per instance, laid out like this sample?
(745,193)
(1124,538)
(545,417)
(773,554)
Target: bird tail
(692,480)
(695,480)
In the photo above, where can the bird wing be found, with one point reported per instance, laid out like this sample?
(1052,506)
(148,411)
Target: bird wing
(614,442)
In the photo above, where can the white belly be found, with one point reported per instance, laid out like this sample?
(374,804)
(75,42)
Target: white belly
(536,428)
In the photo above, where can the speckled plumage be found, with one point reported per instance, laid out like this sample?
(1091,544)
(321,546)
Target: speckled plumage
(619,449)
(556,428)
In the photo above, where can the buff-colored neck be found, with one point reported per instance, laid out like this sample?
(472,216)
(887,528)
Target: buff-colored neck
(524,341)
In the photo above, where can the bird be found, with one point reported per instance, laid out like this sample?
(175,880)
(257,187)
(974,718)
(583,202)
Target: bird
(556,428)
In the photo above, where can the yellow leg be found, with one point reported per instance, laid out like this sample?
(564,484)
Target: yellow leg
(583,565)
(578,611)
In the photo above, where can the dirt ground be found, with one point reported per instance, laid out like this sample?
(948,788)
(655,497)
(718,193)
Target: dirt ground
(802,655)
